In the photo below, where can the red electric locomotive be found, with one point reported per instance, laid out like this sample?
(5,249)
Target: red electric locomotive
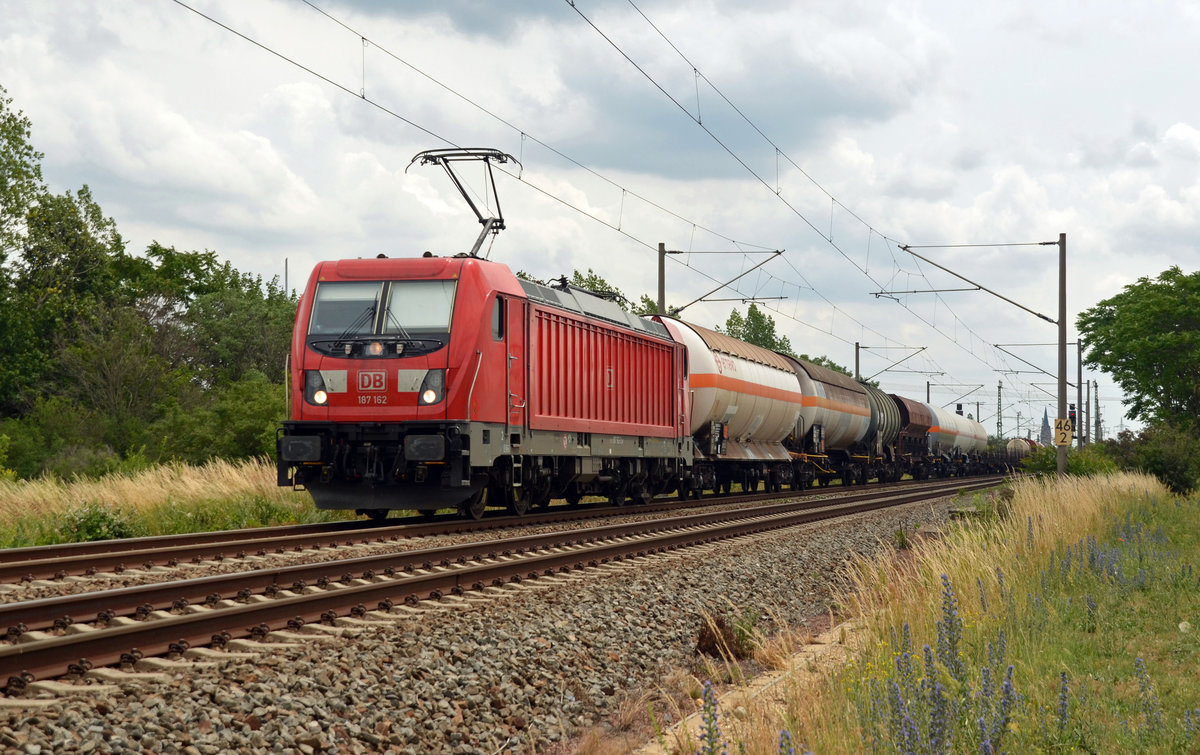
(447,382)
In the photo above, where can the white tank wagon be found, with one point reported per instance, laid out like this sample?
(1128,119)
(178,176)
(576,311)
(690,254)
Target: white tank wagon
(746,393)
(955,435)
(836,412)
(1019,448)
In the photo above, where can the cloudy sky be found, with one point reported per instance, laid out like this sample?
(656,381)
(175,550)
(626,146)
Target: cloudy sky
(279,132)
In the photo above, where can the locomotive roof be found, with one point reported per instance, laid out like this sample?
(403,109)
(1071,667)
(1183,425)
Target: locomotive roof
(583,303)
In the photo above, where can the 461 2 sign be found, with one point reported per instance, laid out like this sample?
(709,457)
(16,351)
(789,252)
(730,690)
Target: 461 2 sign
(1063,432)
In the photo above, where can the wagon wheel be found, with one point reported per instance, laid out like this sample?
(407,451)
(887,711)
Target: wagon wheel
(427,513)
(377,515)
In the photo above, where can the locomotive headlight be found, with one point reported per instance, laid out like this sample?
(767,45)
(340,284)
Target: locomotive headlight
(374,349)
(314,388)
(432,387)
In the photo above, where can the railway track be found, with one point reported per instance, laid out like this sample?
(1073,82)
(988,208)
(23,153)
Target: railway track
(44,640)
(90,558)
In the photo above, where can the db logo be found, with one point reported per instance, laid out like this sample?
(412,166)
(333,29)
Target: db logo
(372,381)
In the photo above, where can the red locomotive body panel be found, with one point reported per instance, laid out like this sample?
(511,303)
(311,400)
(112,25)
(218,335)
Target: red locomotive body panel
(385,389)
(590,377)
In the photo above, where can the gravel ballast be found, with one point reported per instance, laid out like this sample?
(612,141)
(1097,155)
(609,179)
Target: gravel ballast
(519,670)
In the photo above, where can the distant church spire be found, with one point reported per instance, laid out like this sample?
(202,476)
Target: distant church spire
(1047,433)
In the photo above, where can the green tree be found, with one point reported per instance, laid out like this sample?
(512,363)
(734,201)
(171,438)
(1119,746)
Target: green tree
(20,176)
(232,420)
(66,272)
(1088,461)
(647,306)
(757,328)
(598,285)
(114,371)
(107,359)
(1148,339)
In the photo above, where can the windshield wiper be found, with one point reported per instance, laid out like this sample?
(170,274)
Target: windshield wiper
(368,315)
(391,320)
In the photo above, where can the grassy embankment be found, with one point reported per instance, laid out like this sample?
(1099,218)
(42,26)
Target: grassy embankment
(158,501)
(1062,619)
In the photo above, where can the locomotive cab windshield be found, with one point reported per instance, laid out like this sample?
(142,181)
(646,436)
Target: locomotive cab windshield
(380,319)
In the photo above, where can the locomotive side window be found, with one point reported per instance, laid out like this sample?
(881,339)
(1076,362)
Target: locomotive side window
(498,319)
(345,309)
(419,306)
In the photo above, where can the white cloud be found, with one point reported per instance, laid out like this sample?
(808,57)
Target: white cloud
(931,123)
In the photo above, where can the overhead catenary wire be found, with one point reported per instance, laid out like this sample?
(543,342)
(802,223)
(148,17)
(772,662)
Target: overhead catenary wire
(362,94)
(740,245)
(833,200)
(618,228)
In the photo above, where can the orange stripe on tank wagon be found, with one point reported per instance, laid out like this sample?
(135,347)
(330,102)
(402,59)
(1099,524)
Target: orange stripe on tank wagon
(714,380)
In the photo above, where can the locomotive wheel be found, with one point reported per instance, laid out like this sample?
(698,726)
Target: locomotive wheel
(475,505)
(427,513)
(638,494)
(616,495)
(726,486)
(539,494)
(520,503)
(682,490)
(573,496)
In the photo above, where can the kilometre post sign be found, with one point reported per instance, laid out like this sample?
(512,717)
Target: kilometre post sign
(1062,432)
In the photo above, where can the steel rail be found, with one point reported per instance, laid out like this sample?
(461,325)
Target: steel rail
(25,661)
(57,561)
(62,611)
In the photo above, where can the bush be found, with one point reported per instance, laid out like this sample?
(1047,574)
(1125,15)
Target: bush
(92,521)
(1168,452)
(5,473)
(1086,462)
(233,421)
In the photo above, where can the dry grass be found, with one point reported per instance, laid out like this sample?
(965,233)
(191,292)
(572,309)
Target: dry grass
(172,486)
(806,700)
(1057,511)
(883,598)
